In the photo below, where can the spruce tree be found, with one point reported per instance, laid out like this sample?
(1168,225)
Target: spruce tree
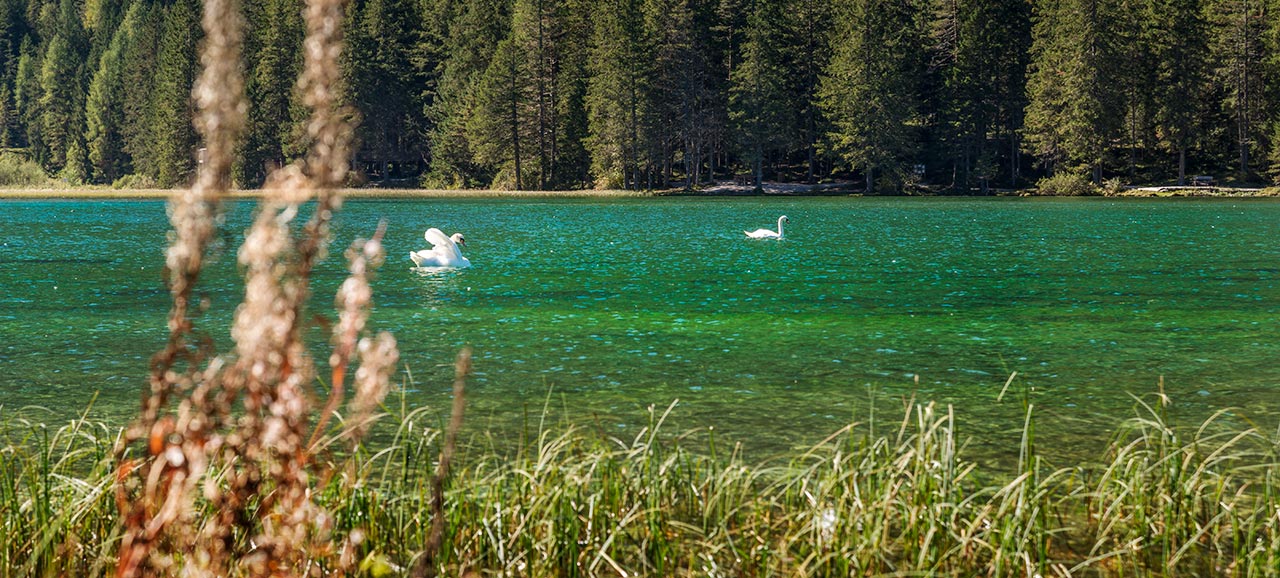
(474,29)
(870,91)
(13,30)
(173,150)
(140,59)
(571,161)
(275,63)
(104,109)
(979,55)
(102,19)
(761,108)
(1237,53)
(1270,100)
(1074,107)
(27,97)
(62,93)
(496,131)
(671,96)
(1178,42)
(383,80)
(809,31)
(615,94)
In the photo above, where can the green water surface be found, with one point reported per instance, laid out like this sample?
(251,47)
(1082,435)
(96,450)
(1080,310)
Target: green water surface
(605,307)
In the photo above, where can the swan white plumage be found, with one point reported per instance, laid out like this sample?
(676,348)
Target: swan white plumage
(444,251)
(766,233)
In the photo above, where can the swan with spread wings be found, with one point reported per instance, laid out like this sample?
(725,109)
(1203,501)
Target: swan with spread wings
(444,251)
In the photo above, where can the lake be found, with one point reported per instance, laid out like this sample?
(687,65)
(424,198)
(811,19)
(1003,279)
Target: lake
(592,310)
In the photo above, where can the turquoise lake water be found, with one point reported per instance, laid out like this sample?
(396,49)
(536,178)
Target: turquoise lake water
(605,307)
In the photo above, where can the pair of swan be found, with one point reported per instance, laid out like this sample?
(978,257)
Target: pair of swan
(444,251)
(766,233)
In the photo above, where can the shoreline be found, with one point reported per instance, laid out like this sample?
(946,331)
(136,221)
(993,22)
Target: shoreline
(720,190)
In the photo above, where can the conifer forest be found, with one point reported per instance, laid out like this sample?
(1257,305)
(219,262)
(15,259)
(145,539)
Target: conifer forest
(959,95)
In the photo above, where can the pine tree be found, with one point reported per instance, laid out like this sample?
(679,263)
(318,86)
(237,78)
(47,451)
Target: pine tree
(615,94)
(1073,110)
(1237,52)
(495,130)
(869,90)
(1270,100)
(761,108)
(979,56)
(13,30)
(809,32)
(140,59)
(62,93)
(572,163)
(1178,41)
(383,80)
(668,26)
(174,147)
(276,61)
(1135,77)
(474,28)
(529,90)
(102,19)
(27,96)
(104,109)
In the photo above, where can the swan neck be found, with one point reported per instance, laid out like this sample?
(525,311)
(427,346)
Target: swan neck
(779,226)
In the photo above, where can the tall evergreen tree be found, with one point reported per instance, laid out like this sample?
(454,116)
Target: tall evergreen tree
(1134,76)
(668,28)
(980,58)
(27,92)
(475,28)
(104,109)
(13,30)
(1073,109)
(276,61)
(539,79)
(809,32)
(173,150)
(1178,42)
(1237,59)
(1270,100)
(572,163)
(102,19)
(499,127)
(616,92)
(62,94)
(870,89)
(140,59)
(761,107)
(383,80)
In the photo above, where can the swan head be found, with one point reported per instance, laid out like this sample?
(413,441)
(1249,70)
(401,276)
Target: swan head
(784,219)
(459,239)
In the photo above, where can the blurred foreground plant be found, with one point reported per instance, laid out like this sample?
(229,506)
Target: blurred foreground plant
(216,476)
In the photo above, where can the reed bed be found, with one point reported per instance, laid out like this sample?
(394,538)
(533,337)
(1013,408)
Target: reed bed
(894,499)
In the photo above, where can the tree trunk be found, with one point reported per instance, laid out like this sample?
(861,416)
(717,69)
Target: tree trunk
(1182,166)
(515,124)
(757,171)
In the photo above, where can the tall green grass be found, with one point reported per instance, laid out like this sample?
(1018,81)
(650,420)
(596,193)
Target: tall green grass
(898,498)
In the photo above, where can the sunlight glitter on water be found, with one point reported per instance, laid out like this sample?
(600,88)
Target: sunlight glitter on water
(619,304)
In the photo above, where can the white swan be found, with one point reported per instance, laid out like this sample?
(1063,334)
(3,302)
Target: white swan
(766,233)
(444,251)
